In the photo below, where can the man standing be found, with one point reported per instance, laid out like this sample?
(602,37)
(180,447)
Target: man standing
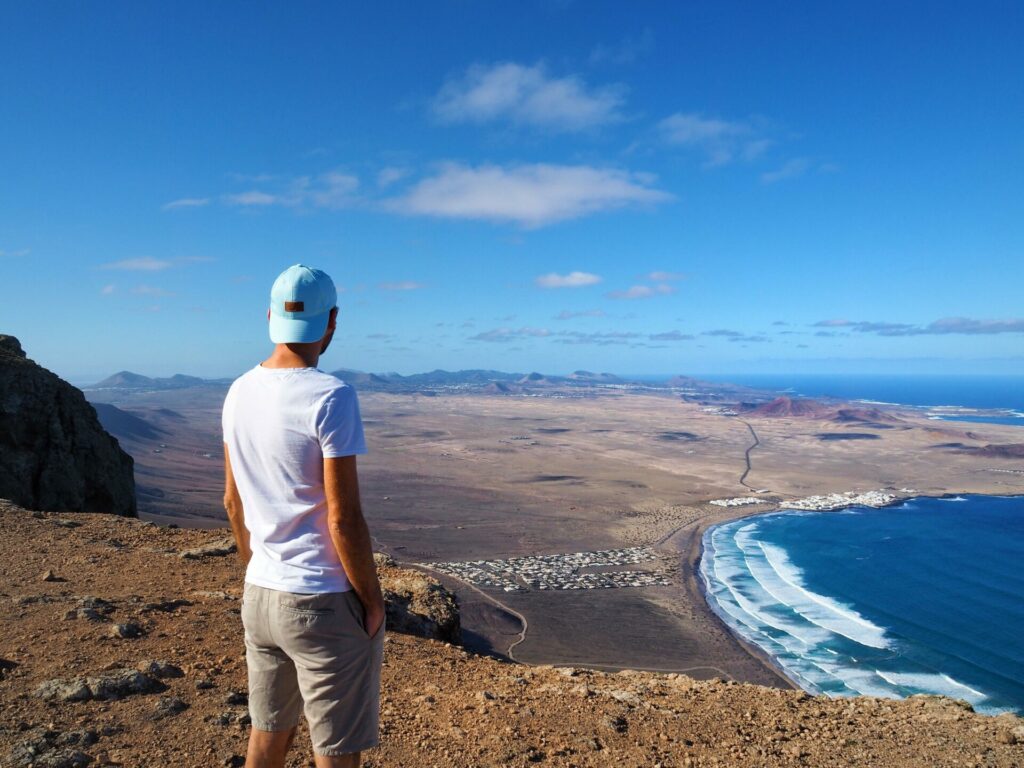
(311,608)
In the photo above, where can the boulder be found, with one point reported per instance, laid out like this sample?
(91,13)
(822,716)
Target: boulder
(54,454)
(419,605)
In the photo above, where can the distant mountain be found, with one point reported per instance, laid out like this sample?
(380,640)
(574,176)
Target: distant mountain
(360,379)
(597,378)
(126,426)
(536,379)
(129,380)
(124,380)
(782,407)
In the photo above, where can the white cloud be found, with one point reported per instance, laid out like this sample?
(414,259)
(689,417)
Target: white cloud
(691,128)
(328,190)
(642,291)
(943,326)
(150,290)
(107,290)
(150,264)
(790,169)
(333,189)
(602,338)
(402,285)
(388,176)
(566,314)
(14,254)
(626,51)
(252,198)
(526,96)
(722,141)
(187,202)
(666,277)
(571,280)
(141,264)
(671,336)
(530,195)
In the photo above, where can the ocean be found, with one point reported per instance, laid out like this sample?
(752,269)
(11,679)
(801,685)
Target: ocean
(922,597)
(942,397)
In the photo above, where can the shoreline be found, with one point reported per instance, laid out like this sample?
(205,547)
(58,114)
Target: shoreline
(756,651)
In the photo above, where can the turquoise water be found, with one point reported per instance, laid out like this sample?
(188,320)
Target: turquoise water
(923,597)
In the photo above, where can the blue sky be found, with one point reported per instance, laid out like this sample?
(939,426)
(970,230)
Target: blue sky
(640,188)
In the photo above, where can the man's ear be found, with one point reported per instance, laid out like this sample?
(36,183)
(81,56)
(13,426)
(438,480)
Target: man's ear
(332,319)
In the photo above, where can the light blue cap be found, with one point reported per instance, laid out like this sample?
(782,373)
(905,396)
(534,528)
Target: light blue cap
(300,304)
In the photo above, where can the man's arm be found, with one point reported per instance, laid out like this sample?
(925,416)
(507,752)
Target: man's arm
(351,536)
(233,506)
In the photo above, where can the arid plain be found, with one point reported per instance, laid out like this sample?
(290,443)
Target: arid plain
(471,476)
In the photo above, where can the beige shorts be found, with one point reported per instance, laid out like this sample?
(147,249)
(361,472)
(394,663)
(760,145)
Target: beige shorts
(312,652)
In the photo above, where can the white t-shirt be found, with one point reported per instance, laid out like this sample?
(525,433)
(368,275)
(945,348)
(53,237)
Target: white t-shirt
(279,425)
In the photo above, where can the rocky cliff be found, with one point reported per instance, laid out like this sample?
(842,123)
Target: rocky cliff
(54,455)
(122,646)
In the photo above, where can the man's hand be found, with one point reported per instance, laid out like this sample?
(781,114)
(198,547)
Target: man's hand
(351,537)
(374,618)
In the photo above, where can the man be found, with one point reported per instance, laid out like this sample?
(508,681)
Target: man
(311,608)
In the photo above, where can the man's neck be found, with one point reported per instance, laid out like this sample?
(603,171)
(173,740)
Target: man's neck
(294,356)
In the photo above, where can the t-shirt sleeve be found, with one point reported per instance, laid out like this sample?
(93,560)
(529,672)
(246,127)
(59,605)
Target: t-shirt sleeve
(339,425)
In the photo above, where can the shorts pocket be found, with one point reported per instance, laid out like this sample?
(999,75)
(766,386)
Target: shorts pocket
(307,605)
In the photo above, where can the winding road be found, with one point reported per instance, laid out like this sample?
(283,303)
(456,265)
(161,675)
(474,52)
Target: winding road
(757,442)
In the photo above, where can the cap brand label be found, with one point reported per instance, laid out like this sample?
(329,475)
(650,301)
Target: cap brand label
(293,306)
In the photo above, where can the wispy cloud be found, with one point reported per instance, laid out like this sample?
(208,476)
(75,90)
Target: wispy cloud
(526,95)
(151,264)
(723,332)
(151,290)
(798,166)
(529,195)
(402,285)
(186,202)
(599,338)
(570,280)
(140,264)
(566,314)
(721,141)
(625,51)
(14,254)
(254,197)
(666,277)
(943,326)
(671,336)
(388,176)
(108,290)
(642,291)
(331,190)
(504,335)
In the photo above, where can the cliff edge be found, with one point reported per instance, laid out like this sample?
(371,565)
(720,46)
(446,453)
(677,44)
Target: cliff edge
(54,454)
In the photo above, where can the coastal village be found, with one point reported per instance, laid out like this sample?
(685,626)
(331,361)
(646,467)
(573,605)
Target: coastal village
(825,502)
(563,571)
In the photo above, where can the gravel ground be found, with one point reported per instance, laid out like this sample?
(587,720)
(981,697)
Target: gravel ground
(118,650)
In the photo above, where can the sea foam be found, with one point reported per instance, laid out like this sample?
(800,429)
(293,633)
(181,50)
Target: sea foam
(824,644)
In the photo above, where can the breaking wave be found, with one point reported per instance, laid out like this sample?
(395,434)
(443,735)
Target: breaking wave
(826,644)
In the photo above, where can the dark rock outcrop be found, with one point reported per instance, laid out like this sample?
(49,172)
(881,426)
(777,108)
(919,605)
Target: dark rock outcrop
(54,454)
(417,604)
